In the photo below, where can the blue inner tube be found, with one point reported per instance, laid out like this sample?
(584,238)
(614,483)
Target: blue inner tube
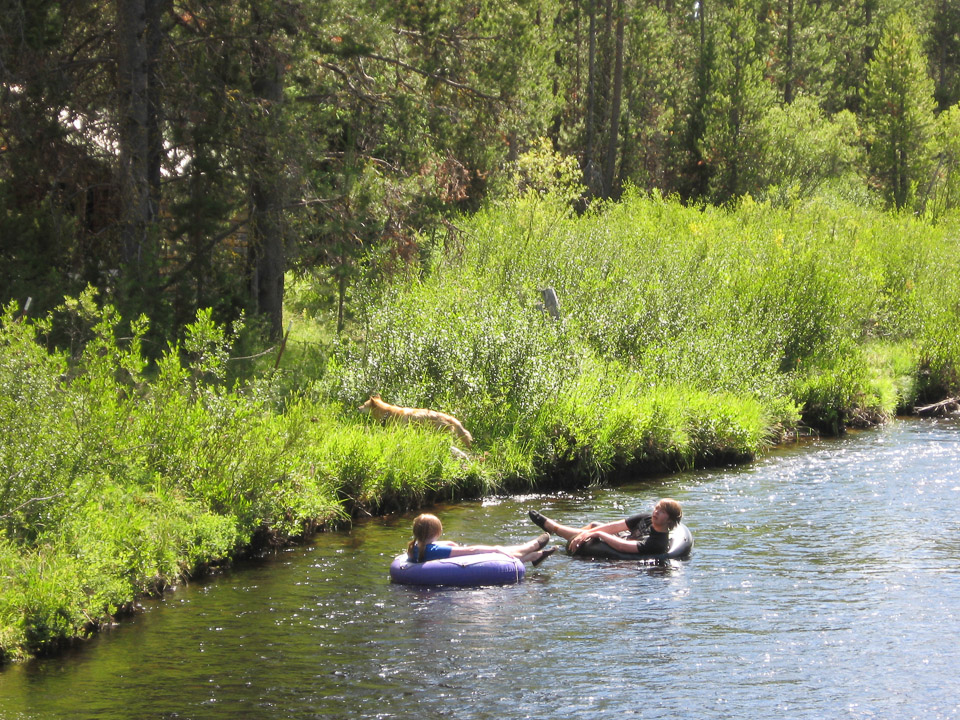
(463,571)
(679,545)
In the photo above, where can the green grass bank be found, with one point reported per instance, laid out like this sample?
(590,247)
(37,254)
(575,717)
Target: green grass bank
(684,336)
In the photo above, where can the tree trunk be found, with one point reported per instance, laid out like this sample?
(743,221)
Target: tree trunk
(703,26)
(133,138)
(268,257)
(699,169)
(341,297)
(154,13)
(616,96)
(588,165)
(788,83)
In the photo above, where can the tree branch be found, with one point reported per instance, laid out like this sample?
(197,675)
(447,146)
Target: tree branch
(347,79)
(7,516)
(432,76)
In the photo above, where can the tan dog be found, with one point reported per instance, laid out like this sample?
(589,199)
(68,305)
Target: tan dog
(385,411)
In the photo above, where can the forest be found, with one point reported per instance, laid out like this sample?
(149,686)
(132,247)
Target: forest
(179,154)
(611,237)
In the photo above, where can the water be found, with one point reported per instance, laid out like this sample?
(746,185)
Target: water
(825,582)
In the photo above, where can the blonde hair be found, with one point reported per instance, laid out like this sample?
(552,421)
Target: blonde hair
(426,527)
(673,509)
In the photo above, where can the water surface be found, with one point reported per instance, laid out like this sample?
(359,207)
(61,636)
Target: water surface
(825,582)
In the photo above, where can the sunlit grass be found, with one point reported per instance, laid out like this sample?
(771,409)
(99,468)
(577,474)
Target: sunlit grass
(686,336)
(768,305)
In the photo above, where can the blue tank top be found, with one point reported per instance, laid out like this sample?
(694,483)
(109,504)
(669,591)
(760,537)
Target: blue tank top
(433,551)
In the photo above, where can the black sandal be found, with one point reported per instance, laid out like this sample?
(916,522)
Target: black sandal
(544,554)
(538,519)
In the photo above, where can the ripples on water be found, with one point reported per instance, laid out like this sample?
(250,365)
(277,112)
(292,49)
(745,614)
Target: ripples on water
(824,583)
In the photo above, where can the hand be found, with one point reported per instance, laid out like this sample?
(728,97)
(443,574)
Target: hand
(579,540)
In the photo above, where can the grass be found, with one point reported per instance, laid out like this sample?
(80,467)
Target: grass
(686,336)
(777,306)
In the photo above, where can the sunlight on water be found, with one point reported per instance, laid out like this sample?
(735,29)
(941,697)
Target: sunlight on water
(825,582)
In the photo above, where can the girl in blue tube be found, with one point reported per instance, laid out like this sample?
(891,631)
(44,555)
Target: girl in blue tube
(426,544)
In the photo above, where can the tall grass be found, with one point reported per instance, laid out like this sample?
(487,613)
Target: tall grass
(685,336)
(778,307)
(118,480)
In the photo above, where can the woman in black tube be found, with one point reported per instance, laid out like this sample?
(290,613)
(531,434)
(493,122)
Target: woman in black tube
(642,534)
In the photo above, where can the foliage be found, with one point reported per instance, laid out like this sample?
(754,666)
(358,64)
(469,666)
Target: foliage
(944,192)
(739,97)
(115,484)
(543,171)
(341,151)
(763,303)
(684,336)
(841,395)
(337,140)
(944,40)
(802,149)
(899,110)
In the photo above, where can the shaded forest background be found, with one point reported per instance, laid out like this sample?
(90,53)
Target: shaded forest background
(182,154)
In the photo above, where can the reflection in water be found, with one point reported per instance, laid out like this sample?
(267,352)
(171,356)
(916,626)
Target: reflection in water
(825,582)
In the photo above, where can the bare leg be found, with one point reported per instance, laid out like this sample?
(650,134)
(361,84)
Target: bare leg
(565,531)
(528,551)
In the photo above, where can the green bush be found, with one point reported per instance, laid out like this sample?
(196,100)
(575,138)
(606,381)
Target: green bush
(684,336)
(767,304)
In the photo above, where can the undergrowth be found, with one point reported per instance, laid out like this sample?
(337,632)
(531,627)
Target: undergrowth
(684,336)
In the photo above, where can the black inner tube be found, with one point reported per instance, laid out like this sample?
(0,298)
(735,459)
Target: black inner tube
(679,545)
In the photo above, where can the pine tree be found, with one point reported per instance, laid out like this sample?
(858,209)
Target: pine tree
(739,97)
(899,111)
(798,32)
(944,42)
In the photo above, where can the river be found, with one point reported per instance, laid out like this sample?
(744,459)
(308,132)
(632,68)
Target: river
(825,583)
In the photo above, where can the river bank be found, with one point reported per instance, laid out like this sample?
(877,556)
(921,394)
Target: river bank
(684,337)
(772,615)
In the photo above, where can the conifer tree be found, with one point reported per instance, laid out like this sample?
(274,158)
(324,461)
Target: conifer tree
(799,52)
(944,43)
(899,111)
(739,97)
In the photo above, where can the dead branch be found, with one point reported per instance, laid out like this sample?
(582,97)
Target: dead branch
(944,408)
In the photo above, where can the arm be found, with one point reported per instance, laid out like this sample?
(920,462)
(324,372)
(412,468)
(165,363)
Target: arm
(614,541)
(611,528)
(474,550)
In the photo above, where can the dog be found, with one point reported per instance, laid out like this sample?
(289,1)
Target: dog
(381,410)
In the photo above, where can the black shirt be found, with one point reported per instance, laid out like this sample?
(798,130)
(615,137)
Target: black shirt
(649,541)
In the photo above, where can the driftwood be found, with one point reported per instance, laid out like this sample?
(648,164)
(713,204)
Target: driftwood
(944,408)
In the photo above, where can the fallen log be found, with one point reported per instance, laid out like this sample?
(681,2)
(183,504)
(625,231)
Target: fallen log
(944,408)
